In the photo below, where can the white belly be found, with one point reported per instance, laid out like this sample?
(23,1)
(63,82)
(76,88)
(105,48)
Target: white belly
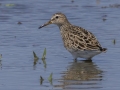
(87,54)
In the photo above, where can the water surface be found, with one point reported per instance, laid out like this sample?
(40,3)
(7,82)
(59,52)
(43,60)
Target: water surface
(19,71)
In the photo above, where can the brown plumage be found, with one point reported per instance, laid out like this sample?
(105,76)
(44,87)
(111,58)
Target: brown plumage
(78,41)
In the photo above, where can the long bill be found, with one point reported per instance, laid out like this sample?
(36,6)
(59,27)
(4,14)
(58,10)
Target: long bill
(49,22)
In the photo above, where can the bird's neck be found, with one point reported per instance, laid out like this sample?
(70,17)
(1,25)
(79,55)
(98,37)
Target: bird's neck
(64,25)
(64,29)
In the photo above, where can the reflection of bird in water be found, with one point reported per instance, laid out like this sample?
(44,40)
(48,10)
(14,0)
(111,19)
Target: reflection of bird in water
(84,73)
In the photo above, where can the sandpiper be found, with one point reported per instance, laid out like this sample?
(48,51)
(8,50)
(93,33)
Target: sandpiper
(78,41)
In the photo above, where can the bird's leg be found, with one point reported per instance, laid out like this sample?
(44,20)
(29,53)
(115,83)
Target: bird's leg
(89,59)
(75,59)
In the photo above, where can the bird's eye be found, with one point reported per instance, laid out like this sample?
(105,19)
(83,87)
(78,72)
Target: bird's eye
(56,17)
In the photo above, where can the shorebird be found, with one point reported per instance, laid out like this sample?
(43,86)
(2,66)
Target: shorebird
(77,40)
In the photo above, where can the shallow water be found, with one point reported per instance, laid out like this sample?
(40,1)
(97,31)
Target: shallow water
(19,71)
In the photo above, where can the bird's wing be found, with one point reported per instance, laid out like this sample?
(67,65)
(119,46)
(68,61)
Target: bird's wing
(84,39)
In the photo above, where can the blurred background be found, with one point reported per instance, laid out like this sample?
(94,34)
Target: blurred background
(51,66)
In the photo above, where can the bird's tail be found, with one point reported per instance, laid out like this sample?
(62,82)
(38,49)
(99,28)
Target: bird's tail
(104,49)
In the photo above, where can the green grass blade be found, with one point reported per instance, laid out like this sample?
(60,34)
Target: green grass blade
(44,54)
(41,80)
(50,78)
(44,62)
(35,56)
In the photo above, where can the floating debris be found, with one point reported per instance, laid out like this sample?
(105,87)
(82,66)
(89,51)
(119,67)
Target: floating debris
(50,78)
(19,22)
(112,6)
(9,5)
(104,19)
(114,41)
(41,80)
(104,7)
(72,1)
(44,54)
